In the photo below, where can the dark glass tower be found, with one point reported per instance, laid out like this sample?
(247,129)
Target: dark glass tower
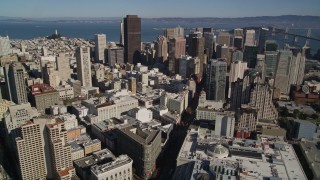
(132,39)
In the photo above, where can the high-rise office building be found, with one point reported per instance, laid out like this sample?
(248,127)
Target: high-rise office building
(255,93)
(4,45)
(197,50)
(177,47)
(271,59)
(84,66)
(171,33)
(16,83)
(99,48)
(250,55)
(297,67)
(238,42)
(31,152)
(261,66)
(237,56)
(63,67)
(262,39)
(246,117)
(132,39)
(236,72)
(122,32)
(216,79)
(190,36)
(283,71)
(60,161)
(209,45)
(250,38)
(17,115)
(189,66)
(115,56)
(222,52)
(238,32)
(132,83)
(261,98)
(224,38)
(161,47)
(271,45)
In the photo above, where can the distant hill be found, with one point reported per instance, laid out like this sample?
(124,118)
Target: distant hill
(278,21)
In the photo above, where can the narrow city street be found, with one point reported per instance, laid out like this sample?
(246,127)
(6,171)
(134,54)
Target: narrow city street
(167,163)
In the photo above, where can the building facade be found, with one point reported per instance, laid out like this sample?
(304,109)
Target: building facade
(132,39)
(216,79)
(99,48)
(84,66)
(31,152)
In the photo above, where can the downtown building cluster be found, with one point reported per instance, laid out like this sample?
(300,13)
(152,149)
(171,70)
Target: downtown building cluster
(104,110)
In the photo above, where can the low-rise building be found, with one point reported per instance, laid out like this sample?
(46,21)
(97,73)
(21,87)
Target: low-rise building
(120,168)
(205,156)
(301,129)
(91,146)
(43,96)
(77,151)
(65,92)
(113,108)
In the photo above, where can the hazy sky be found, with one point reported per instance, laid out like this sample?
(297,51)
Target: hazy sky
(157,8)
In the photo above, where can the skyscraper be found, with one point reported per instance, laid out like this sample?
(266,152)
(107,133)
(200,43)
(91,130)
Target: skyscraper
(171,33)
(132,39)
(115,56)
(238,32)
(262,39)
(271,63)
(250,38)
(209,44)
(250,55)
(60,151)
(84,66)
(224,38)
(132,84)
(100,46)
(63,66)
(197,50)
(122,32)
(216,79)
(283,71)
(271,45)
(31,152)
(16,83)
(176,49)
(4,45)
(238,42)
(236,72)
(297,67)
(261,66)
(161,47)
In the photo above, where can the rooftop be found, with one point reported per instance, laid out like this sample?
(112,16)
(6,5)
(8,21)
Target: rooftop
(251,159)
(118,162)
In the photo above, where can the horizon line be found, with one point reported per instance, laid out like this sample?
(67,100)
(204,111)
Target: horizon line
(158,17)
